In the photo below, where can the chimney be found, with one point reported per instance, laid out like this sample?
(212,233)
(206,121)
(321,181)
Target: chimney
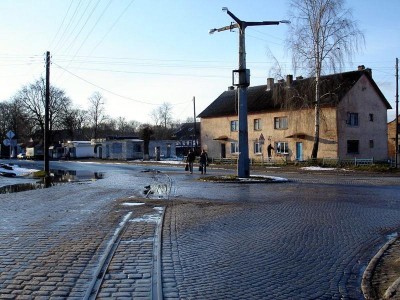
(289,80)
(299,77)
(270,84)
(231,88)
(363,68)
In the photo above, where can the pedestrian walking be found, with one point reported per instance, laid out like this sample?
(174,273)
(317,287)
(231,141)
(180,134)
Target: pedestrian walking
(190,160)
(203,161)
(269,151)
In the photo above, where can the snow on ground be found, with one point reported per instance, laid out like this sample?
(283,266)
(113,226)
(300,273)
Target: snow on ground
(256,178)
(15,169)
(316,168)
(21,175)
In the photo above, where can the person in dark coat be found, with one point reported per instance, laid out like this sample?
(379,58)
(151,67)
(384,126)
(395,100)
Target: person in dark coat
(203,161)
(269,151)
(190,160)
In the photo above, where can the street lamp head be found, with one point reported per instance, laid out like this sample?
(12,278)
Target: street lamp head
(224,9)
(211,31)
(285,21)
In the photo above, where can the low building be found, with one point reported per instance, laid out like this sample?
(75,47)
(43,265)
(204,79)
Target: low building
(187,137)
(162,149)
(78,149)
(120,148)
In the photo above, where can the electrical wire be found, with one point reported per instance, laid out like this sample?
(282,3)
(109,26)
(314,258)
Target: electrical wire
(101,88)
(112,26)
(64,35)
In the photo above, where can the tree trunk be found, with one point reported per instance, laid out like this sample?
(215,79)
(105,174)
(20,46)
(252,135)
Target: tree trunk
(314,153)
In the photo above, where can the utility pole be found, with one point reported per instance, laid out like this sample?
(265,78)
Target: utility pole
(46,124)
(194,124)
(243,75)
(397,113)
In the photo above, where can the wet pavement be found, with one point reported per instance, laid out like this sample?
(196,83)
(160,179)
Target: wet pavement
(311,238)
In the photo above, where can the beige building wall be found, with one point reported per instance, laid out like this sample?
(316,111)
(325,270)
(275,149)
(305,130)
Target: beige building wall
(216,134)
(371,131)
(392,139)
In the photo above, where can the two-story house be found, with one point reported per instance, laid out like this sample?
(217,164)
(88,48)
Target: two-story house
(353,119)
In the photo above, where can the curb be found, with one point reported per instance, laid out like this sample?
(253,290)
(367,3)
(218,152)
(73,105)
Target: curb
(368,273)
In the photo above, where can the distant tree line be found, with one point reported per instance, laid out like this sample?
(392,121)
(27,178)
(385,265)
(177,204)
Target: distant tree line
(24,114)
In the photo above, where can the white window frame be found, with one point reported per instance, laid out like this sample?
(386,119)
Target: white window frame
(282,147)
(281,123)
(257,124)
(258,148)
(234,148)
(234,125)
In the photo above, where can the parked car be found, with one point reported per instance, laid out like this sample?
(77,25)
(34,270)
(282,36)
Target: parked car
(21,156)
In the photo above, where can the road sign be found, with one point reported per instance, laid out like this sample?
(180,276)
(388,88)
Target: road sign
(10,134)
(6,142)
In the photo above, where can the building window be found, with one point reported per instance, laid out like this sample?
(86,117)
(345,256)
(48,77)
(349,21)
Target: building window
(371,117)
(371,143)
(280,123)
(352,146)
(352,119)
(117,148)
(257,124)
(234,148)
(234,125)
(282,148)
(257,148)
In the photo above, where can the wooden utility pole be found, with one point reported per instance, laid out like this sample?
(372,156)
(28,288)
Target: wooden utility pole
(46,124)
(397,113)
(194,125)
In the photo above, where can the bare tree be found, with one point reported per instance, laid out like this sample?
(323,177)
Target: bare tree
(125,127)
(96,112)
(75,121)
(31,99)
(12,118)
(322,34)
(162,115)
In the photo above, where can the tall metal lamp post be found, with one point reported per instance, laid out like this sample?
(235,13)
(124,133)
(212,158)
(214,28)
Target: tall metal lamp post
(243,76)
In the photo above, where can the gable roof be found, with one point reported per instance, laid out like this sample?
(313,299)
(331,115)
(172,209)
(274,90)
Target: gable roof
(299,94)
(185,131)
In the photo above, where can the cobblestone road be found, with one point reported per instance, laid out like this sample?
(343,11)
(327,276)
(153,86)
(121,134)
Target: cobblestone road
(310,238)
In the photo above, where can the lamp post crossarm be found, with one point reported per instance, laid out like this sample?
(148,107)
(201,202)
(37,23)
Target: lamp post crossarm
(262,23)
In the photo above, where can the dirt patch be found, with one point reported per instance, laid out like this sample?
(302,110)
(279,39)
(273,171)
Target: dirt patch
(387,271)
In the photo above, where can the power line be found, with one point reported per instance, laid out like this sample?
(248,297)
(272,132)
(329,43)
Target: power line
(83,26)
(103,89)
(62,23)
(63,35)
(112,26)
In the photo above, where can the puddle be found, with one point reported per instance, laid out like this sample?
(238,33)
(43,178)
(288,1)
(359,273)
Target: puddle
(57,177)
(21,187)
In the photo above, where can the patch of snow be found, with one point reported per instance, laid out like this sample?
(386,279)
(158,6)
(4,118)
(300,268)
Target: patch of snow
(254,178)
(132,204)
(318,169)
(17,170)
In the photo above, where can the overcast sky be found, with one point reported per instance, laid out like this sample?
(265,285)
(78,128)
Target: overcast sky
(141,53)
